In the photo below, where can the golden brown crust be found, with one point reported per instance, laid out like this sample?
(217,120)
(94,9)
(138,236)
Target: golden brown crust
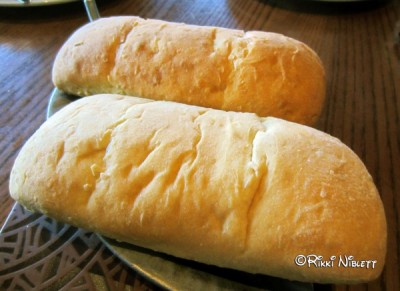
(223,188)
(265,73)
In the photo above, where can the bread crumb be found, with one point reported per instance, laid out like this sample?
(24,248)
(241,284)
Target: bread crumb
(95,169)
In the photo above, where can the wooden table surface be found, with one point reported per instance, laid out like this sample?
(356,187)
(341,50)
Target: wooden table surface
(359,45)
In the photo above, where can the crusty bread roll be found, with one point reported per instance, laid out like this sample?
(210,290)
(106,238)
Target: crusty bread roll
(223,188)
(265,73)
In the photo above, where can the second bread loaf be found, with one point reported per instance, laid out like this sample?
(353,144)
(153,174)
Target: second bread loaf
(223,188)
(265,73)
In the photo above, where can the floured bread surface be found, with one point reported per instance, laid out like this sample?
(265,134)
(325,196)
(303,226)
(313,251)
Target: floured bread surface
(265,73)
(223,188)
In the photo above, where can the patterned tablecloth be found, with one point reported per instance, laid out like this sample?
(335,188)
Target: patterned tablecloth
(39,251)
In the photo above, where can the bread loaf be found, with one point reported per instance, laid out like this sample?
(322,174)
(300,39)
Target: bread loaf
(265,73)
(224,188)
